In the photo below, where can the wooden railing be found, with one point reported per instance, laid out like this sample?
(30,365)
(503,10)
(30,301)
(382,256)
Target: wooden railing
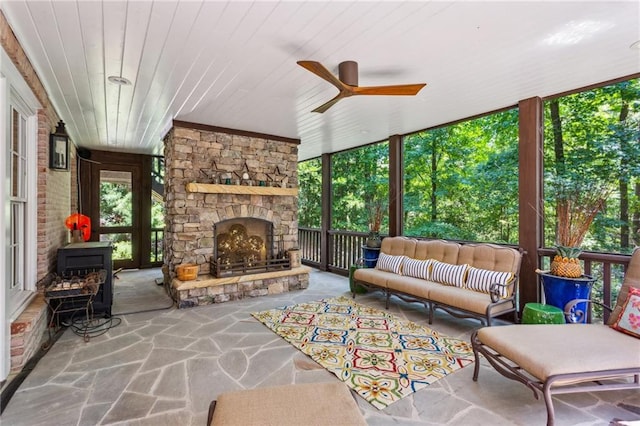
(345,249)
(608,269)
(309,244)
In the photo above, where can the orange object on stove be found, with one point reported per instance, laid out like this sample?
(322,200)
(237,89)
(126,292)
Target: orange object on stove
(79,222)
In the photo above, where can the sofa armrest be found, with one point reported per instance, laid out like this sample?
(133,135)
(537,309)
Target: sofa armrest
(496,290)
(577,316)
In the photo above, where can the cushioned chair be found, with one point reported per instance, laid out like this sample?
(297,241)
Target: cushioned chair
(567,358)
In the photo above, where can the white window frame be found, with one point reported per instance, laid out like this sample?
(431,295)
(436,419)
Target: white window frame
(15,91)
(20,297)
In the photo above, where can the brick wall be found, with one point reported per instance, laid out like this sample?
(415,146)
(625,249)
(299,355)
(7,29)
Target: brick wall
(28,332)
(54,202)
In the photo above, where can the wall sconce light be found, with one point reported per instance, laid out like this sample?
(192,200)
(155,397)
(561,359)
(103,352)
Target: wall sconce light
(59,148)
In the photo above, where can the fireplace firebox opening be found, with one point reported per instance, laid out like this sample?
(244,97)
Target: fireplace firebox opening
(244,246)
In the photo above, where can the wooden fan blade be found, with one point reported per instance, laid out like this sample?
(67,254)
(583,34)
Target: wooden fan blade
(399,90)
(322,108)
(318,69)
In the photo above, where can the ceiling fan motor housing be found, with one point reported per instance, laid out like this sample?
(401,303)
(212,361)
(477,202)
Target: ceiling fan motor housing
(348,72)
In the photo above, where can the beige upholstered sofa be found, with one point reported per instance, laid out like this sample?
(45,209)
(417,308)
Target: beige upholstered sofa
(568,358)
(465,280)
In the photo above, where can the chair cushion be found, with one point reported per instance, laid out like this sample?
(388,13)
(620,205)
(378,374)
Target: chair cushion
(631,279)
(303,404)
(416,268)
(544,350)
(629,319)
(481,280)
(448,274)
(389,263)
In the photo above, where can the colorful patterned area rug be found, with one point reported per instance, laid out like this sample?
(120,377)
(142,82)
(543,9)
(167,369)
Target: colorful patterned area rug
(382,357)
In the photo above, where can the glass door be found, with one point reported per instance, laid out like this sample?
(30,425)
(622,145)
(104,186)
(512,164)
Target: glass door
(119,212)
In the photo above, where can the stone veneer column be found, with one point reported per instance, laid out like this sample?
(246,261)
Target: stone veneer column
(190,152)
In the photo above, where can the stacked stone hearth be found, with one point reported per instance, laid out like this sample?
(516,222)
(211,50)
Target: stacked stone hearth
(197,153)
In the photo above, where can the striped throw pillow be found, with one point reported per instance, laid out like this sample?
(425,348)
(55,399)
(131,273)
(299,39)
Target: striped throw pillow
(389,263)
(481,280)
(448,274)
(416,268)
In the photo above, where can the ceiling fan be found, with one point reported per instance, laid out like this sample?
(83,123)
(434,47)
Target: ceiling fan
(347,83)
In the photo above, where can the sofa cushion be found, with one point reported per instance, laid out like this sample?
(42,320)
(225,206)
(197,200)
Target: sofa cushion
(390,263)
(448,274)
(373,276)
(481,280)
(629,319)
(412,286)
(398,246)
(491,257)
(443,251)
(416,268)
(472,301)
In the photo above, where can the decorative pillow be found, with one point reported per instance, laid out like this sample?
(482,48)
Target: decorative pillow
(481,280)
(448,274)
(629,320)
(387,262)
(416,268)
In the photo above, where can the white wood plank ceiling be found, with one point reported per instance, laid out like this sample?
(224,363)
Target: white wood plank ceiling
(233,64)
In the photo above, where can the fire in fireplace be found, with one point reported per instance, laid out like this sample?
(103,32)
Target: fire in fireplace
(246,246)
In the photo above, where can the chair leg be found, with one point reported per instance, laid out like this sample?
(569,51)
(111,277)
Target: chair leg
(386,302)
(431,308)
(212,408)
(476,354)
(548,400)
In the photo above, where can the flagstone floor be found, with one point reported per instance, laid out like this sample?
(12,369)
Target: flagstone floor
(164,367)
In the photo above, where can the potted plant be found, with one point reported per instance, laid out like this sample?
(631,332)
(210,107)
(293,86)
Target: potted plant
(577,204)
(376,213)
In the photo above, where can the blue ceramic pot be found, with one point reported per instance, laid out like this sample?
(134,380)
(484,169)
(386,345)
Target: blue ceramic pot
(558,291)
(370,256)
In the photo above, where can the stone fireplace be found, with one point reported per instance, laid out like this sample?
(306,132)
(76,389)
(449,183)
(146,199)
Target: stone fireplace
(212,208)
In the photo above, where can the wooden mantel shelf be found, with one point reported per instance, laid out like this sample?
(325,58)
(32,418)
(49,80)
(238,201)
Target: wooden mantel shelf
(209,188)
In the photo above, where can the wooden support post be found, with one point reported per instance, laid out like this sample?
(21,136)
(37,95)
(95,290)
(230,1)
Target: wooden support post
(325,224)
(396,175)
(530,183)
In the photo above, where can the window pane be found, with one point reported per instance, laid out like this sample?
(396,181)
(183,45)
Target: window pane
(461,181)
(360,181)
(16,245)
(592,169)
(310,193)
(121,245)
(116,207)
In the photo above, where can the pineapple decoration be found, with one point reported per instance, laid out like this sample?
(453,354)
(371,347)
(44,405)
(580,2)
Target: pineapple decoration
(566,263)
